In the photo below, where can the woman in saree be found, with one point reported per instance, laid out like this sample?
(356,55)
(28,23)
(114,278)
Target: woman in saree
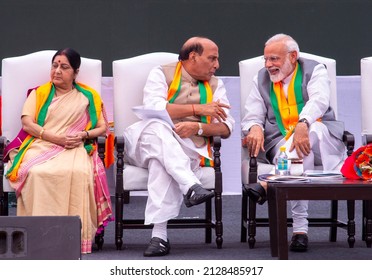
(56,170)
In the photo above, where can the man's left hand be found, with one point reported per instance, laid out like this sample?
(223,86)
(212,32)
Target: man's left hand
(186,129)
(301,141)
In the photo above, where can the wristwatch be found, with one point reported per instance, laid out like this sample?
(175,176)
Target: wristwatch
(304,121)
(200,131)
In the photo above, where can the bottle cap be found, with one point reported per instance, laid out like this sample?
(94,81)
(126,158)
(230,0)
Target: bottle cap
(282,148)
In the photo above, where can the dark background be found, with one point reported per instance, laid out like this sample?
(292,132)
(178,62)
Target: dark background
(116,29)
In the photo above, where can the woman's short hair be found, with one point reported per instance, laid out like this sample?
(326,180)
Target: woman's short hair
(73,57)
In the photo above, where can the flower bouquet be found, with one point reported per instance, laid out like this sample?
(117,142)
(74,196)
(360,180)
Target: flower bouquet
(359,164)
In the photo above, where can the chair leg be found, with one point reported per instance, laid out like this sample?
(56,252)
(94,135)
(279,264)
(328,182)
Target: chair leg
(126,197)
(334,219)
(208,218)
(119,200)
(243,224)
(4,204)
(251,224)
(219,225)
(119,192)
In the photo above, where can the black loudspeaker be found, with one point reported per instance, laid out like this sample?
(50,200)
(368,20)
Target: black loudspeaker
(40,237)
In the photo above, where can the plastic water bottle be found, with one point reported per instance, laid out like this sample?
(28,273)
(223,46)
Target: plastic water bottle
(281,167)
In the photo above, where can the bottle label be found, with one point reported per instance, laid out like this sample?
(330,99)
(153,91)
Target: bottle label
(282,164)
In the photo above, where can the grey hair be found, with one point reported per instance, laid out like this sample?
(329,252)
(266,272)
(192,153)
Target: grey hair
(289,41)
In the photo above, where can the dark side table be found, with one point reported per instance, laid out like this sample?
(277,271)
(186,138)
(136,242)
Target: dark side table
(341,189)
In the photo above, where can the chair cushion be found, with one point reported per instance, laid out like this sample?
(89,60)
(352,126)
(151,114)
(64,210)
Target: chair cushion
(6,185)
(366,84)
(135,178)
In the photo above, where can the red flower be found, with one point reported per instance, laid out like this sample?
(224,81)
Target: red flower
(363,163)
(368,150)
(367,174)
(362,158)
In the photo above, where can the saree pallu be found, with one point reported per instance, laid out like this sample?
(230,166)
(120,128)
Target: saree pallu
(55,181)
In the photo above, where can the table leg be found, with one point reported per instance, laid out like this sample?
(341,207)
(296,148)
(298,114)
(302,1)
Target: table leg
(351,223)
(281,208)
(364,220)
(368,229)
(271,200)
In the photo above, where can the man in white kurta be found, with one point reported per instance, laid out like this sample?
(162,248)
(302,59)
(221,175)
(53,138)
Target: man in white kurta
(312,132)
(173,155)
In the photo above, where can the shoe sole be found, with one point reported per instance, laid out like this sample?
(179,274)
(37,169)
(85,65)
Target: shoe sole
(298,249)
(156,255)
(189,204)
(150,252)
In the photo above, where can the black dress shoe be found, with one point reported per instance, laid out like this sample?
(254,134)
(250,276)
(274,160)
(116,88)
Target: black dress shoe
(256,192)
(299,243)
(196,195)
(157,247)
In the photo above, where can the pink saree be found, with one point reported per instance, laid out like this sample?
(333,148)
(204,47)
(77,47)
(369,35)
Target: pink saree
(54,181)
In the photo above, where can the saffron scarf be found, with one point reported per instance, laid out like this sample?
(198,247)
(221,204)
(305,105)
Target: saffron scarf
(44,96)
(206,96)
(287,110)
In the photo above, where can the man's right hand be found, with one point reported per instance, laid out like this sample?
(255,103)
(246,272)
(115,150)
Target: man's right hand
(254,141)
(213,109)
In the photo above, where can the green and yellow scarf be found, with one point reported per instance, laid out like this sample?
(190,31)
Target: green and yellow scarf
(44,96)
(287,110)
(206,96)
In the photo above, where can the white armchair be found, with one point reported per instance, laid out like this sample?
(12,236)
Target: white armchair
(250,168)
(129,77)
(366,100)
(366,103)
(20,74)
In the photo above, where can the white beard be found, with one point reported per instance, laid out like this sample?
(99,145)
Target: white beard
(284,71)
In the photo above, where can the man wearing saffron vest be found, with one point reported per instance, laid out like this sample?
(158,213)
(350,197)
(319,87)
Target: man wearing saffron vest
(198,106)
(289,105)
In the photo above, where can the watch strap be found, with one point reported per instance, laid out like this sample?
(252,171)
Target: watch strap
(303,120)
(200,131)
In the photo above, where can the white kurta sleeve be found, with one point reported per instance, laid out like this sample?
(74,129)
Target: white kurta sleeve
(155,91)
(319,92)
(254,109)
(221,96)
